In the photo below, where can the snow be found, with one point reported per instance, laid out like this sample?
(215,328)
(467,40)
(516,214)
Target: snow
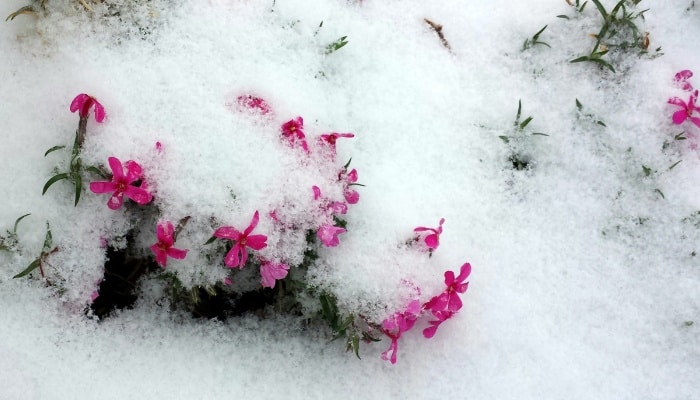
(584,277)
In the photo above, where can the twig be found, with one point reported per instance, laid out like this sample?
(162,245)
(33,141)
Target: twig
(438,29)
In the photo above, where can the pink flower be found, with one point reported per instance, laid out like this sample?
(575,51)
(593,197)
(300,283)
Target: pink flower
(449,299)
(83,102)
(228,281)
(328,234)
(441,316)
(237,256)
(432,240)
(336,207)
(396,325)
(271,271)
(350,178)
(254,104)
(122,184)
(164,247)
(293,131)
(687,109)
(329,139)
(681,79)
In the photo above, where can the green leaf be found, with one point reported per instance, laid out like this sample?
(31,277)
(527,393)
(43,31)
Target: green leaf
(504,138)
(601,9)
(562,16)
(660,193)
(347,164)
(580,59)
(53,180)
(537,35)
(54,148)
(517,116)
(579,105)
(647,170)
(210,241)
(14,230)
(48,240)
(34,265)
(601,123)
(539,134)
(356,346)
(78,188)
(524,123)
(674,164)
(337,45)
(96,171)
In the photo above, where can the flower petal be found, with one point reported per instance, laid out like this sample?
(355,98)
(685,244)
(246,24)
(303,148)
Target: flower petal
(133,171)
(464,272)
(102,187)
(680,116)
(256,242)
(138,195)
(227,232)
(432,241)
(115,202)
(116,166)
(78,102)
(253,223)
(677,102)
(231,260)
(164,233)
(99,112)
(177,254)
(161,256)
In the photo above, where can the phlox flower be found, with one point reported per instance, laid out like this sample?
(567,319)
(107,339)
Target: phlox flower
(271,271)
(329,139)
(328,235)
(122,184)
(449,299)
(293,132)
(396,325)
(336,207)
(254,104)
(350,178)
(681,80)
(238,255)
(164,248)
(687,109)
(441,316)
(432,240)
(83,102)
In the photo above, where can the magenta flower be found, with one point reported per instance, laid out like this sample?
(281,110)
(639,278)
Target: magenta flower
(83,102)
(681,79)
(396,325)
(122,184)
(329,139)
(432,240)
(449,299)
(254,104)
(336,207)
(328,234)
(237,256)
(271,271)
(441,316)
(164,248)
(293,132)
(687,109)
(351,196)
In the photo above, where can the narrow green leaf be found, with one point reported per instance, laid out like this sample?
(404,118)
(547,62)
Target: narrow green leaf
(78,188)
(579,105)
(524,123)
(601,9)
(210,241)
(14,230)
(54,148)
(356,345)
(517,116)
(537,35)
(601,123)
(647,170)
(347,164)
(34,265)
(563,16)
(96,171)
(580,59)
(53,180)
(504,138)
(660,193)
(674,164)
(48,240)
(539,134)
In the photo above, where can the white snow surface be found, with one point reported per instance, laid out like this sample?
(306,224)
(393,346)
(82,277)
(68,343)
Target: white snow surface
(585,282)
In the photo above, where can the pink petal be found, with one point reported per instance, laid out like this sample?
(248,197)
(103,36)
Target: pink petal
(99,112)
(177,254)
(256,242)
(115,202)
(161,256)
(464,272)
(351,196)
(102,187)
(680,116)
(133,171)
(449,278)
(338,207)
(677,102)
(696,121)
(317,192)
(422,229)
(164,233)
(227,232)
(231,260)
(244,256)
(352,176)
(116,166)
(432,241)
(138,195)
(455,303)
(253,223)
(78,102)
(430,331)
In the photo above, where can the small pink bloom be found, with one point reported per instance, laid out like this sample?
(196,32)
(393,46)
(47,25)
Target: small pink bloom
(271,271)
(336,207)
(441,316)
(293,132)
(121,184)
(237,256)
(329,139)
(159,146)
(681,79)
(83,102)
(687,109)
(228,281)
(164,247)
(432,240)
(396,325)
(328,234)
(449,299)
(253,104)
(350,178)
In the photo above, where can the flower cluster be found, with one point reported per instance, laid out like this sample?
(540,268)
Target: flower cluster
(688,111)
